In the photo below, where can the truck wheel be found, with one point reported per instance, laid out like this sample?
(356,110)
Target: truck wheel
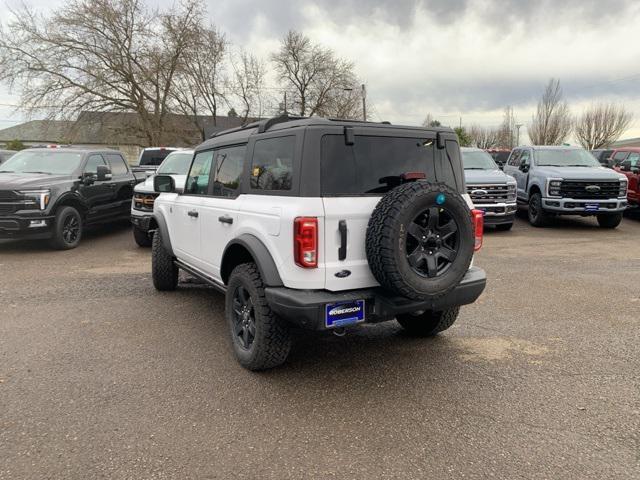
(142,238)
(420,240)
(428,323)
(260,338)
(67,229)
(163,269)
(504,227)
(537,216)
(611,220)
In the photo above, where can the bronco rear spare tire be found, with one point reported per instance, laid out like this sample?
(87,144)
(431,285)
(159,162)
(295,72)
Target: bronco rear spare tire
(420,240)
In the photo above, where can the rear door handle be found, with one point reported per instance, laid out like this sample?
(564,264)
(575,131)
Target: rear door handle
(193,213)
(225,219)
(342,251)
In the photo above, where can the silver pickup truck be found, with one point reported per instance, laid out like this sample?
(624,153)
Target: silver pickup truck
(491,190)
(563,180)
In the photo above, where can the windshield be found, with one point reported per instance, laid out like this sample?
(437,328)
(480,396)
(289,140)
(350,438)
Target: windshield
(477,160)
(176,164)
(154,156)
(565,157)
(43,161)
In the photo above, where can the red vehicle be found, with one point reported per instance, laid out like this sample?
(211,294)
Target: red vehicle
(500,155)
(628,162)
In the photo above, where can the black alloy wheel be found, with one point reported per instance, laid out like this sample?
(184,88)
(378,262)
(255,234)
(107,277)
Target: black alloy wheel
(71,229)
(243,317)
(432,242)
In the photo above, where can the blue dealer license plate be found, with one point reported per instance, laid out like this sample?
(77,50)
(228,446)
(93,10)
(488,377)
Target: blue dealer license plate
(344,313)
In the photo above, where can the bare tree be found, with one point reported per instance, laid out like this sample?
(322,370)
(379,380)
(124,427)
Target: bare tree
(429,121)
(484,137)
(105,55)
(248,83)
(601,124)
(312,74)
(201,83)
(552,122)
(506,132)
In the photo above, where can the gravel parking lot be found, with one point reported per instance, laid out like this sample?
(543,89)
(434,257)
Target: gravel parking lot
(103,377)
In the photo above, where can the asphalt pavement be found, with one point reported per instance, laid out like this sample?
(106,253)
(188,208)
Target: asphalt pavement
(103,377)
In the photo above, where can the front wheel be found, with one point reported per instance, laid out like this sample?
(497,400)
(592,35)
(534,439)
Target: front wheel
(427,324)
(537,215)
(611,220)
(142,238)
(67,229)
(163,269)
(260,338)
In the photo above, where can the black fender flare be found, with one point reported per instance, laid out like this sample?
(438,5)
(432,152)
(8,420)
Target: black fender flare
(69,195)
(164,231)
(261,256)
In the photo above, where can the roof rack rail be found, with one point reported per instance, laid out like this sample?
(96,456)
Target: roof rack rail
(347,120)
(235,129)
(265,125)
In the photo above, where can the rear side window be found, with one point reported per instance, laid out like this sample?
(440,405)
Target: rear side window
(372,164)
(633,160)
(229,163)
(272,164)
(198,180)
(117,164)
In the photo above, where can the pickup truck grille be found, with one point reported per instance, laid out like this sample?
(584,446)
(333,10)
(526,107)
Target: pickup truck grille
(483,194)
(8,196)
(8,202)
(587,189)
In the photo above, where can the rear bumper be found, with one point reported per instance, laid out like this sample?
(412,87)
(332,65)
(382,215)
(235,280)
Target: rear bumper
(26,227)
(306,308)
(581,206)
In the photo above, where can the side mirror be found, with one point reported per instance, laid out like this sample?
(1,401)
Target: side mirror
(164,184)
(103,173)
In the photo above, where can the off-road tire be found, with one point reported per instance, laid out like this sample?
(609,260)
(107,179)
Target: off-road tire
(504,227)
(272,339)
(142,238)
(538,217)
(163,269)
(428,323)
(387,236)
(58,239)
(609,220)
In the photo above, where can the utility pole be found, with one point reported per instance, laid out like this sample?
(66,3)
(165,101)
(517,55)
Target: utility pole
(285,102)
(364,102)
(518,125)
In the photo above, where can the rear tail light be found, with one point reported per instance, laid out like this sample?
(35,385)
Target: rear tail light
(478,228)
(305,241)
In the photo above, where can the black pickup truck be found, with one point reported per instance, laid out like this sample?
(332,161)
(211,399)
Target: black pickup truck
(52,193)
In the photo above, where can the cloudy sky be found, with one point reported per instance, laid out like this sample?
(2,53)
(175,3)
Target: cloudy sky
(452,58)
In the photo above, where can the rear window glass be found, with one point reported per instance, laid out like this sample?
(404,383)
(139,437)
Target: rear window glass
(373,164)
(154,157)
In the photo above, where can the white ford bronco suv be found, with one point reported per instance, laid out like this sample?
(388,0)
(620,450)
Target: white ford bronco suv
(322,224)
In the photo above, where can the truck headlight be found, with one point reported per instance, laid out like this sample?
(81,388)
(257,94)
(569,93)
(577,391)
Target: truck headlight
(623,188)
(554,188)
(35,199)
(511,191)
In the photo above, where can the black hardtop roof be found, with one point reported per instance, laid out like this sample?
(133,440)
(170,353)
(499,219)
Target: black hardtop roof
(286,122)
